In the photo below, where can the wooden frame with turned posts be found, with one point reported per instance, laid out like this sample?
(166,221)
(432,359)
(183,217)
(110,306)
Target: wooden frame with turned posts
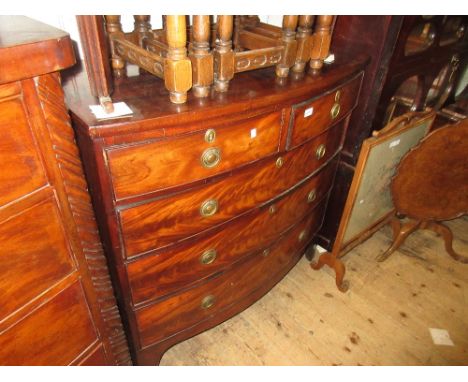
(198,56)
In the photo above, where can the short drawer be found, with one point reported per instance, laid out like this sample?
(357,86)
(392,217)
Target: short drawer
(147,167)
(165,221)
(166,318)
(312,117)
(178,267)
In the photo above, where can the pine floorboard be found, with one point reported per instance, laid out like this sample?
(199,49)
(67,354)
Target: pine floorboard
(384,318)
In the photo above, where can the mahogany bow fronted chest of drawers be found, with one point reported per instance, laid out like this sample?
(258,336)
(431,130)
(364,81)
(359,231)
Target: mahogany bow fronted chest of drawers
(204,207)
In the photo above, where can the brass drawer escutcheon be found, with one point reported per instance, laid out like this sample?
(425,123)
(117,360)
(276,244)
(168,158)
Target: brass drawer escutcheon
(272,209)
(208,301)
(265,252)
(210,135)
(209,207)
(208,257)
(302,235)
(279,162)
(211,157)
(337,95)
(311,196)
(335,110)
(320,152)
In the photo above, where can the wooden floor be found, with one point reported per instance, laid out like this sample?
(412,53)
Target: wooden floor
(384,318)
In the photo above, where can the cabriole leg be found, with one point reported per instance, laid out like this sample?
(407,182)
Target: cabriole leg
(337,265)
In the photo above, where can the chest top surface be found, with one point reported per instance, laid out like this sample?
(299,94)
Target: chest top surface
(249,92)
(30,48)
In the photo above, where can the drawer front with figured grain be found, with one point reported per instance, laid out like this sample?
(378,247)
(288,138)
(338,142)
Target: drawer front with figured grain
(34,254)
(165,272)
(147,167)
(22,171)
(188,308)
(310,118)
(165,221)
(54,334)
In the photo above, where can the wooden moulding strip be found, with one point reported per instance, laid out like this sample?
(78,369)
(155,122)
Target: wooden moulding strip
(255,59)
(139,56)
(157,47)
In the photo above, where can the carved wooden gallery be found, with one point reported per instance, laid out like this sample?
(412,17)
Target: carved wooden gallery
(217,151)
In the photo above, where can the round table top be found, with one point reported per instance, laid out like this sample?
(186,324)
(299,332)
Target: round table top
(431,181)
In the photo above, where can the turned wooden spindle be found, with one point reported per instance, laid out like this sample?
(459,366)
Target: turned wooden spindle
(177,66)
(223,54)
(201,57)
(142,29)
(290,45)
(320,42)
(236,31)
(304,42)
(114,28)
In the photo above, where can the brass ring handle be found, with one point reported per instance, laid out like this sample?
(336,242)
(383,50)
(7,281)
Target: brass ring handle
(208,301)
(208,256)
(311,196)
(209,207)
(320,152)
(211,157)
(335,110)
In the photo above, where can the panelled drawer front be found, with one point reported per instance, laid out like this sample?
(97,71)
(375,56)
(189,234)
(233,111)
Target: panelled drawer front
(310,118)
(34,255)
(172,315)
(148,167)
(22,171)
(157,275)
(163,222)
(51,335)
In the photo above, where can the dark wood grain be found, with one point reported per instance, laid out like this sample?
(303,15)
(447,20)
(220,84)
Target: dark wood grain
(57,303)
(96,56)
(253,90)
(178,267)
(21,173)
(29,270)
(168,220)
(304,126)
(43,337)
(166,318)
(30,48)
(146,167)
(431,182)
(155,238)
